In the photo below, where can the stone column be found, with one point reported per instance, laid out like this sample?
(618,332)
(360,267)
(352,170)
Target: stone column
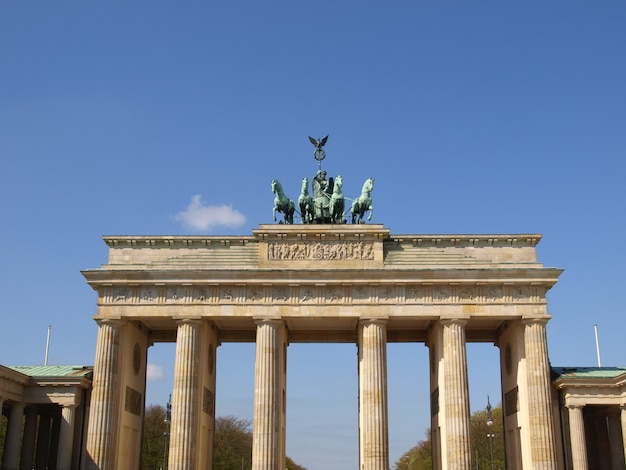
(53,449)
(13,436)
(373,417)
(456,395)
(540,422)
(623,419)
(27,460)
(66,438)
(615,440)
(185,404)
(268,433)
(43,440)
(577,437)
(102,416)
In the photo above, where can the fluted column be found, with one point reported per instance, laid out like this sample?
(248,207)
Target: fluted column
(27,459)
(577,437)
(267,429)
(185,402)
(102,417)
(43,440)
(541,432)
(66,438)
(373,417)
(12,441)
(456,395)
(623,419)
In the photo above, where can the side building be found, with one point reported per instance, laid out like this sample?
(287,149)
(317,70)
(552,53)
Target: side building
(44,413)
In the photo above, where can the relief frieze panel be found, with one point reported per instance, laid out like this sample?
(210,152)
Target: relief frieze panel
(426,293)
(332,250)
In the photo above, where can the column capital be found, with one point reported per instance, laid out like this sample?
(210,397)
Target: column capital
(373,320)
(109,321)
(574,406)
(536,320)
(268,320)
(187,321)
(462,321)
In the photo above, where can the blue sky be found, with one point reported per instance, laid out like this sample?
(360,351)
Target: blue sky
(169,118)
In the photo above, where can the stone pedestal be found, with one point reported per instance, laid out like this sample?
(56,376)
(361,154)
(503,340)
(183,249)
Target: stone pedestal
(373,418)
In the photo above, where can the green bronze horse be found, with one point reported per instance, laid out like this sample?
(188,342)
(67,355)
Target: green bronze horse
(282,203)
(337,202)
(363,203)
(305,202)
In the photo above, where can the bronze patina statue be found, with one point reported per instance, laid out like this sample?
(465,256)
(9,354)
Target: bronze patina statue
(282,203)
(327,205)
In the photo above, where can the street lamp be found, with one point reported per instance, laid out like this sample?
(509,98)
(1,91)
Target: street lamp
(490,433)
(167,420)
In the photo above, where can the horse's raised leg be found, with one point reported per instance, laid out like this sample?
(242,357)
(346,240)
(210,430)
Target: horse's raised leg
(371,209)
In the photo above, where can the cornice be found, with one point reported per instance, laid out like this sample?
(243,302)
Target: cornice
(315,233)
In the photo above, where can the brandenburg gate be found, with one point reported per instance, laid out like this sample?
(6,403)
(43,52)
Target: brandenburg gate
(320,283)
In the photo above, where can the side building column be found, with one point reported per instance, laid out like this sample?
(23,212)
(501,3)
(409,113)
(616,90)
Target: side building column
(43,439)
(27,461)
(66,438)
(185,409)
(623,419)
(102,416)
(456,395)
(268,440)
(373,413)
(577,437)
(13,436)
(540,422)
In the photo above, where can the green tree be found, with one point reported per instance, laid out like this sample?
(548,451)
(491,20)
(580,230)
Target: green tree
(420,456)
(154,438)
(232,446)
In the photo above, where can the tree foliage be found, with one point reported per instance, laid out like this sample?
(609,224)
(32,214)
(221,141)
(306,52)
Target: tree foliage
(420,456)
(154,438)
(232,446)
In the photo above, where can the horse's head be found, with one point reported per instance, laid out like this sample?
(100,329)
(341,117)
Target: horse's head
(305,184)
(368,186)
(275,186)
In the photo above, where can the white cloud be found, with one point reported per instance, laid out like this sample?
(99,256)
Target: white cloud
(154,373)
(201,217)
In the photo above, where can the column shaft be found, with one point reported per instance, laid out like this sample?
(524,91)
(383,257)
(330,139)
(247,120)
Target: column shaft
(43,440)
(456,396)
(541,432)
(373,416)
(623,419)
(185,404)
(28,440)
(66,438)
(577,438)
(12,441)
(268,433)
(102,417)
